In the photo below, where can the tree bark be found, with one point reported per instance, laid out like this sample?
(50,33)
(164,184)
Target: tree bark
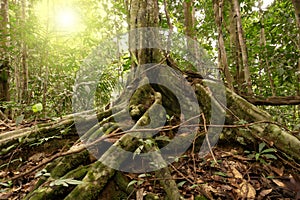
(189,29)
(4,54)
(24,64)
(218,10)
(274,101)
(263,44)
(242,44)
(296,4)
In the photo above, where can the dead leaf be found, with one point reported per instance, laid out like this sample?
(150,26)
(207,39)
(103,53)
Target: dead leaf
(236,173)
(279,183)
(36,157)
(277,171)
(247,190)
(294,185)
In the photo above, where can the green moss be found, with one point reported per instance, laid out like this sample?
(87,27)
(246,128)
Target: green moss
(69,163)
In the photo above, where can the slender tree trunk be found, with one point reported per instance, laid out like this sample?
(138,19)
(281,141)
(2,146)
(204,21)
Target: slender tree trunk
(263,44)
(218,10)
(242,44)
(296,4)
(189,28)
(4,55)
(189,18)
(235,57)
(24,55)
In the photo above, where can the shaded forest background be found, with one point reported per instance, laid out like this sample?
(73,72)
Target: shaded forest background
(256,48)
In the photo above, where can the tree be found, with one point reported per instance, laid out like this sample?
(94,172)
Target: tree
(156,88)
(242,46)
(4,55)
(296,4)
(218,10)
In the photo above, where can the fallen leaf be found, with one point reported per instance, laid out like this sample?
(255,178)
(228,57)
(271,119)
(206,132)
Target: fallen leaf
(279,183)
(236,173)
(247,190)
(277,171)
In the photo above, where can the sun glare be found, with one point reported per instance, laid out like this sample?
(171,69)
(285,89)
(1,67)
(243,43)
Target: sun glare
(67,20)
(60,15)
(264,6)
(267,3)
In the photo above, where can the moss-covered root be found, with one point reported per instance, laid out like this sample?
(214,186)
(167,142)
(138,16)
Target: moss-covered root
(168,184)
(59,191)
(70,162)
(93,183)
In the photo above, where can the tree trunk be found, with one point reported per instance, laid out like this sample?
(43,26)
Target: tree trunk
(296,4)
(263,44)
(242,44)
(235,57)
(24,54)
(189,29)
(4,55)
(218,10)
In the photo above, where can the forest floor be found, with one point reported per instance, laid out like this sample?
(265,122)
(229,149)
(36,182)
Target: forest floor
(231,172)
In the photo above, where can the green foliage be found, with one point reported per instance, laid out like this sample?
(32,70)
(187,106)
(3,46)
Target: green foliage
(221,174)
(43,172)
(145,144)
(54,55)
(263,154)
(65,182)
(180,184)
(37,107)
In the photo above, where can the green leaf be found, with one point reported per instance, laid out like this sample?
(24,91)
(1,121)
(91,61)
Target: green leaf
(73,181)
(181,183)
(193,186)
(261,146)
(221,174)
(40,173)
(270,156)
(37,107)
(250,156)
(143,175)
(270,150)
(131,183)
(257,155)
(149,142)
(140,182)
(8,149)
(4,184)
(19,120)
(138,150)
(65,182)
